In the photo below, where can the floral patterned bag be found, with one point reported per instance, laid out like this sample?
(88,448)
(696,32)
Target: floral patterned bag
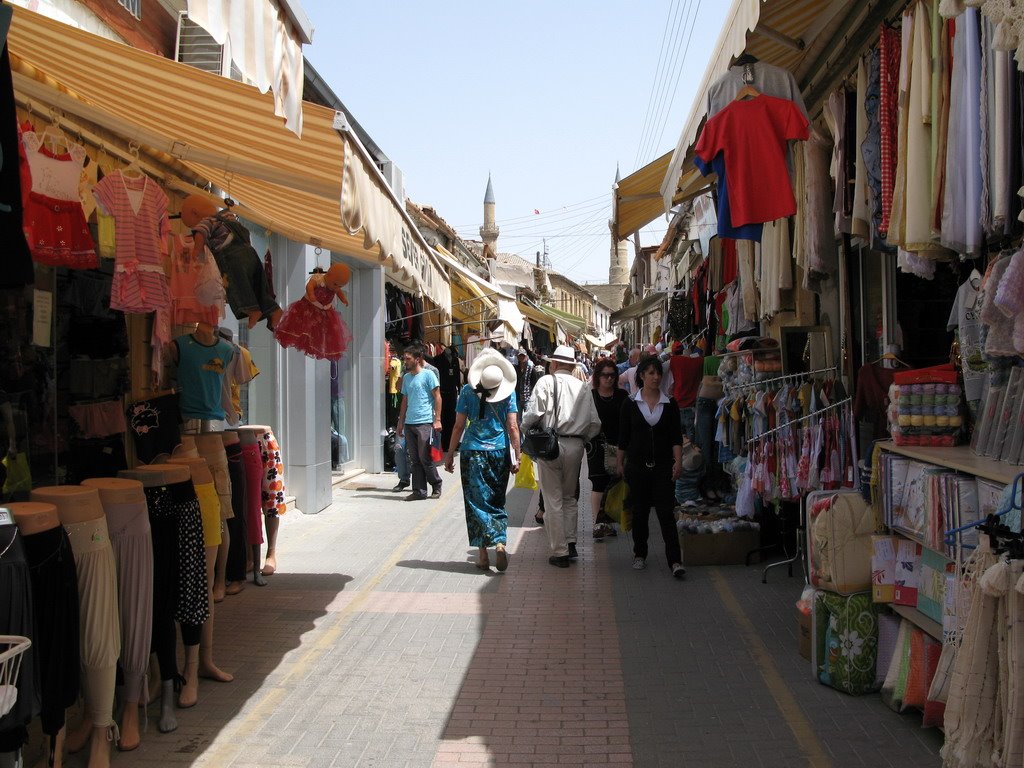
(846,641)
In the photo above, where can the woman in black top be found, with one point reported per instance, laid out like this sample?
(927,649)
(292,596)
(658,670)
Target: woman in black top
(608,397)
(651,453)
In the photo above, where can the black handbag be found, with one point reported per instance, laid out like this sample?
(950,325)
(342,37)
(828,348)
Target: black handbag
(541,443)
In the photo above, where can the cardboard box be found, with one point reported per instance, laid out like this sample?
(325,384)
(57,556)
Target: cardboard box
(718,548)
(803,631)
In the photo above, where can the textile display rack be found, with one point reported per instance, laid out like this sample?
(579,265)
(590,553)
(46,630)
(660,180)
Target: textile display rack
(14,647)
(800,554)
(788,377)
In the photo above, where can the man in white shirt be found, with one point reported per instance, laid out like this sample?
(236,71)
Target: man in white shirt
(574,418)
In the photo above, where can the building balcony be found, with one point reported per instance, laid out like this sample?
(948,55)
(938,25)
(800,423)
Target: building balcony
(489,232)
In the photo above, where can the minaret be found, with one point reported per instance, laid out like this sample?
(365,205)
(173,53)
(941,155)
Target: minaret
(489,231)
(618,269)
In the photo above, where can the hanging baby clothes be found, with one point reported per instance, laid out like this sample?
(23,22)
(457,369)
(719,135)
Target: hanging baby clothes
(139,208)
(314,327)
(54,223)
(193,283)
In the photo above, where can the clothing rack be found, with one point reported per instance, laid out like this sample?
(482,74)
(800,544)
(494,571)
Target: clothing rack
(786,377)
(813,415)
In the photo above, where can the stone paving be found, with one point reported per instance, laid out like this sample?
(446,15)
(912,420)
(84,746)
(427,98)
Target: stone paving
(381,644)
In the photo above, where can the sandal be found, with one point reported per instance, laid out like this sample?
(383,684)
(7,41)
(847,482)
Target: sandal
(482,561)
(500,557)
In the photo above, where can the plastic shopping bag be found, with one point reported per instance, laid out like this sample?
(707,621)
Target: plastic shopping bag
(615,505)
(19,479)
(436,454)
(526,477)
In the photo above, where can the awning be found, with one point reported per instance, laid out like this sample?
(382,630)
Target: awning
(638,198)
(574,324)
(536,317)
(218,129)
(810,38)
(601,341)
(640,308)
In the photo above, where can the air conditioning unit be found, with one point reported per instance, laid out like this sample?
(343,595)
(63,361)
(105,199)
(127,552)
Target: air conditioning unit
(395,178)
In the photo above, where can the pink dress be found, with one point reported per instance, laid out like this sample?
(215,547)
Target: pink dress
(139,208)
(54,222)
(188,276)
(314,327)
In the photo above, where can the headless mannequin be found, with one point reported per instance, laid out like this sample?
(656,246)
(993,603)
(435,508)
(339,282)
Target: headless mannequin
(151,476)
(210,442)
(33,517)
(271,521)
(199,661)
(186,448)
(230,437)
(75,504)
(117,496)
(249,436)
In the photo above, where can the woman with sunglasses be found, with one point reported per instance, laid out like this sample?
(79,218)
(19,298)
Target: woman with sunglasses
(601,451)
(651,456)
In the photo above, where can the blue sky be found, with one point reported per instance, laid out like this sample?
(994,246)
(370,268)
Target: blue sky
(546,96)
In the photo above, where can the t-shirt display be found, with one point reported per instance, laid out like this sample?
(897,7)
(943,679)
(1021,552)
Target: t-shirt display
(965,318)
(201,369)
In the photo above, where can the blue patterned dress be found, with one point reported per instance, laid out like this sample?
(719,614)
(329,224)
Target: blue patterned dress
(485,467)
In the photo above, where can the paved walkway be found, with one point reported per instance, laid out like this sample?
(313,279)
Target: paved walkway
(380,644)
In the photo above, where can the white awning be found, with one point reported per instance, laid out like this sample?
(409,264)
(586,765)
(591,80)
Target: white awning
(265,43)
(640,308)
(369,205)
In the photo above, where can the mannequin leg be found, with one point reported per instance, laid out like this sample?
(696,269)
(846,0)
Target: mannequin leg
(257,573)
(79,736)
(189,694)
(270,563)
(207,668)
(168,721)
(130,736)
(220,567)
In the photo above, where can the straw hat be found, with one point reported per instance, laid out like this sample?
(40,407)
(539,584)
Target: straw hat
(562,354)
(494,373)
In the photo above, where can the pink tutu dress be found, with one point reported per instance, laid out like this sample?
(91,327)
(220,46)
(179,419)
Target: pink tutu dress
(314,327)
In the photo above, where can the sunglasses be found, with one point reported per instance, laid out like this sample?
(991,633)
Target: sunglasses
(608,375)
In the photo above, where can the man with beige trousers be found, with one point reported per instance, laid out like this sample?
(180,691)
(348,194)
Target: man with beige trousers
(575,420)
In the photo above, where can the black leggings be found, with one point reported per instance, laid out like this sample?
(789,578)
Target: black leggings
(164,529)
(236,524)
(652,487)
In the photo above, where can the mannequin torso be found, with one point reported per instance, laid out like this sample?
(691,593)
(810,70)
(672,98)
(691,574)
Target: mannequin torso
(169,473)
(198,470)
(34,517)
(74,503)
(187,447)
(115,490)
(208,442)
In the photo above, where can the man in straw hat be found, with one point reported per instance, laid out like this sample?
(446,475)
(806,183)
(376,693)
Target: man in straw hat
(574,418)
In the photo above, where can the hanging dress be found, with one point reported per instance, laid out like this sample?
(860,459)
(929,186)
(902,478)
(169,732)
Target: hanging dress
(314,327)
(139,208)
(54,222)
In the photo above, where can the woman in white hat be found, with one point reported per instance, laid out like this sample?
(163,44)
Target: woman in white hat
(486,434)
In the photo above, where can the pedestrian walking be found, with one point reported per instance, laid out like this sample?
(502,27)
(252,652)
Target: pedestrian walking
(486,434)
(574,418)
(602,450)
(418,417)
(650,458)
(403,464)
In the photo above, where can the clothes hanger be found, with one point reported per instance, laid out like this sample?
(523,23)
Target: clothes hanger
(133,170)
(891,358)
(59,141)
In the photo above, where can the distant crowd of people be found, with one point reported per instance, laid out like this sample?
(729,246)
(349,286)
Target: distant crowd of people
(629,412)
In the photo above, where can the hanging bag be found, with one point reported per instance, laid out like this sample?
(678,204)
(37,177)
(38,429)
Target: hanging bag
(541,443)
(526,477)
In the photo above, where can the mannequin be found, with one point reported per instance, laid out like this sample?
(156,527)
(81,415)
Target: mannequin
(16,618)
(310,323)
(186,448)
(199,660)
(201,358)
(248,292)
(235,533)
(210,446)
(271,492)
(252,465)
(81,514)
(124,503)
(159,482)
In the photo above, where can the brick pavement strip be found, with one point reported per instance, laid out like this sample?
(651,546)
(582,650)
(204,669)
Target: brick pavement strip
(380,644)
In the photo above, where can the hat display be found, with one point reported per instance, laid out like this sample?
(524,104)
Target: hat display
(562,354)
(492,371)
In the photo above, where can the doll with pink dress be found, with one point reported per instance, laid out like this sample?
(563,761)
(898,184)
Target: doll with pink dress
(311,324)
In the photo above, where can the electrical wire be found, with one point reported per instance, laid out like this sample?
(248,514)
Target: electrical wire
(670,67)
(679,72)
(657,73)
(586,202)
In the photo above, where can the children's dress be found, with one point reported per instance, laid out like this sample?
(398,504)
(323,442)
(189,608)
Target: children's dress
(192,278)
(54,223)
(139,208)
(314,327)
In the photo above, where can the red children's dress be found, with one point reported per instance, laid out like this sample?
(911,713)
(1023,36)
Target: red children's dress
(54,222)
(315,328)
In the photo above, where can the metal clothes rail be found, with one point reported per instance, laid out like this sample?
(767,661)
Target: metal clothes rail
(785,377)
(816,413)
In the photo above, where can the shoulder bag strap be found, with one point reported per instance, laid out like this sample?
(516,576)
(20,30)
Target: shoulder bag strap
(554,409)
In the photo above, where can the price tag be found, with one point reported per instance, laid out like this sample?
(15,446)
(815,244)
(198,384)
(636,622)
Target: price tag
(42,317)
